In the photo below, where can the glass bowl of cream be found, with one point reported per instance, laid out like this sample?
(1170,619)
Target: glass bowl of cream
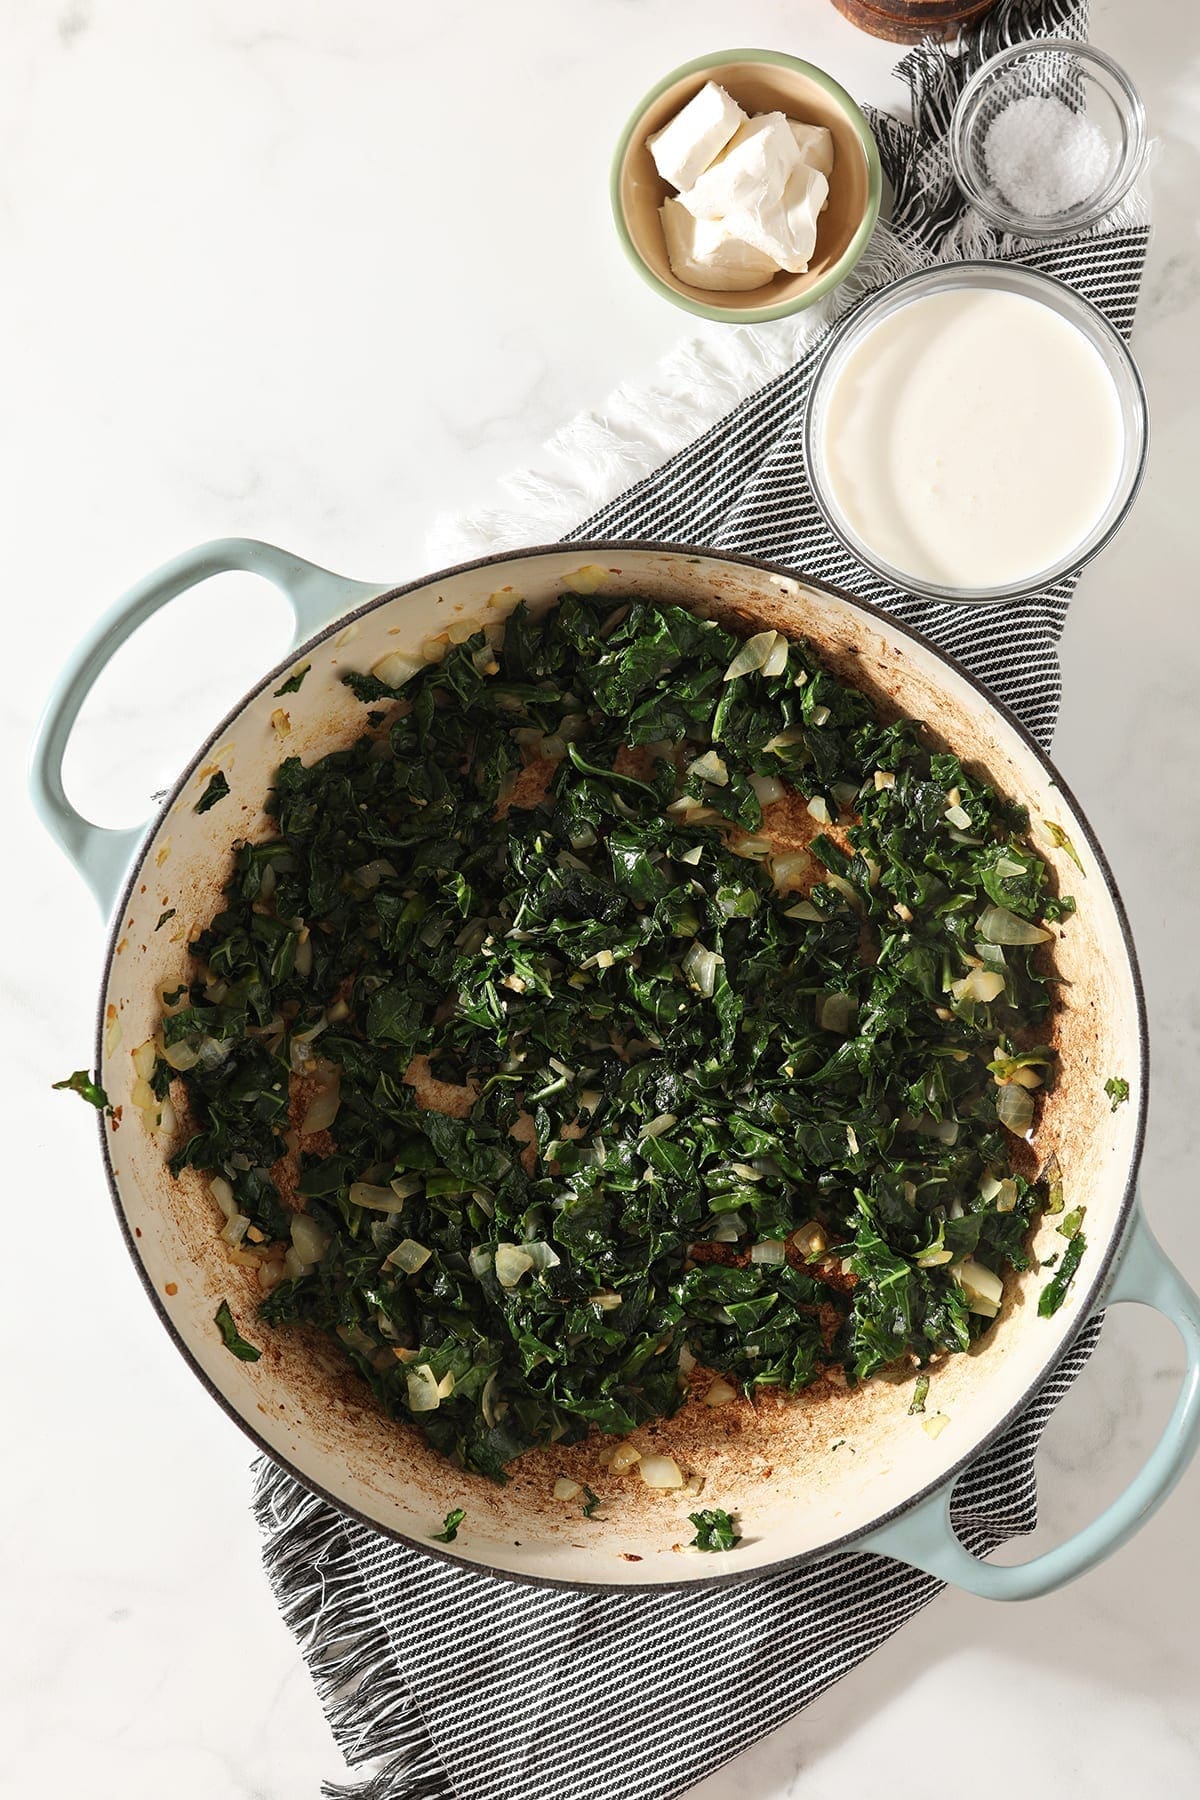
(975,432)
(1047,138)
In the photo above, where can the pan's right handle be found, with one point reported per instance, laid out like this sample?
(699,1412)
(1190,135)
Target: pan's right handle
(103,855)
(925,1536)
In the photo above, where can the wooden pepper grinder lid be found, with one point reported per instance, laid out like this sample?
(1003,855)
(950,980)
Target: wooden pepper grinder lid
(908,21)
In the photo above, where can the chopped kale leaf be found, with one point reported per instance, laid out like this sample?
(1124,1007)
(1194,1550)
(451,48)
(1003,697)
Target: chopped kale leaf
(715,1530)
(216,790)
(232,1337)
(86,1086)
(450,1525)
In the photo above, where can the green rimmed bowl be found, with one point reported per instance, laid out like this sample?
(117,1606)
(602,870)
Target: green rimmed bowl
(760,81)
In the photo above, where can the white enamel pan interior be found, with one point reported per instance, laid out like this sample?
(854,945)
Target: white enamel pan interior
(805,1476)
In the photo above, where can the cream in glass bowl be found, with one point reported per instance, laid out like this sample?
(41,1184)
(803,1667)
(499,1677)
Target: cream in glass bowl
(975,432)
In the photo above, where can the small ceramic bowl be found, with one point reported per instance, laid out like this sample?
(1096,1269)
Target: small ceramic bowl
(1093,86)
(760,81)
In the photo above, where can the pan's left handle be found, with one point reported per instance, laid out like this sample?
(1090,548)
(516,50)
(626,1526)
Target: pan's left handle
(103,855)
(925,1536)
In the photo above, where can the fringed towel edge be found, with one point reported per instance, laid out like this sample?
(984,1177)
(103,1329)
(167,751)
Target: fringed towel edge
(318,1586)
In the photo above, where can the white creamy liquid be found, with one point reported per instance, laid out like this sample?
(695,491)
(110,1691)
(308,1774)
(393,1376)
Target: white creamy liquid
(973,438)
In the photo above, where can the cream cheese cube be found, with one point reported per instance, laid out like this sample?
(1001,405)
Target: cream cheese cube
(815,144)
(685,146)
(754,166)
(763,193)
(705,255)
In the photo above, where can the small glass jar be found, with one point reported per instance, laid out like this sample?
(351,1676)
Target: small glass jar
(1095,89)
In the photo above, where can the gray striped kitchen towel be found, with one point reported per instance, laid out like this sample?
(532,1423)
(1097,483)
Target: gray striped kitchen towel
(444,1684)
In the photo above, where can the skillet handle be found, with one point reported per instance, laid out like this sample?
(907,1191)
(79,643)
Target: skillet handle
(101,854)
(926,1539)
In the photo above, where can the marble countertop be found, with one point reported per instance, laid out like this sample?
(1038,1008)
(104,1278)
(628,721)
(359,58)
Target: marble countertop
(237,301)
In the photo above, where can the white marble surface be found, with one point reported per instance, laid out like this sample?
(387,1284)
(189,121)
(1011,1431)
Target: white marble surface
(237,298)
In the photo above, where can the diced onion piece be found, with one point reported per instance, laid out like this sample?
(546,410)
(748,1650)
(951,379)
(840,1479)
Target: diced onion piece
(804,909)
(934,1259)
(700,968)
(222,1193)
(605,1301)
(837,1012)
(692,856)
(660,1472)
(1007,868)
(270,1274)
(143,1060)
(935,1424)
(511,1263)
(767,788)
(979,1284)
(409,1256)
(566,1490)
(820,715)
(845,888)
(979,984)
(405,1186)
(727,1232)
(236,1228)
(959,817)
(657,1126)
(789,868)
(687,1361)
(375,1199)
(309,1241)
(720,1392)
(690,811)
(750,846)
(394,669)
(1006,1196)
(1026,1077)
(1014,1108)
(753,654)
(998,926)
(810,1240)
(480,1260)
(489,1407)
(541,1255)
(423,1395)
(776,661)
(181,1056)
(446,1385)
(322,1109)
(784,740)
(711,768)
(884,779)
(294,1266)
(769,1250)
(624,1457)
(142,1096)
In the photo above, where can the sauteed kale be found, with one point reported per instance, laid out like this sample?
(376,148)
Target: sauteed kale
(717,1090)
